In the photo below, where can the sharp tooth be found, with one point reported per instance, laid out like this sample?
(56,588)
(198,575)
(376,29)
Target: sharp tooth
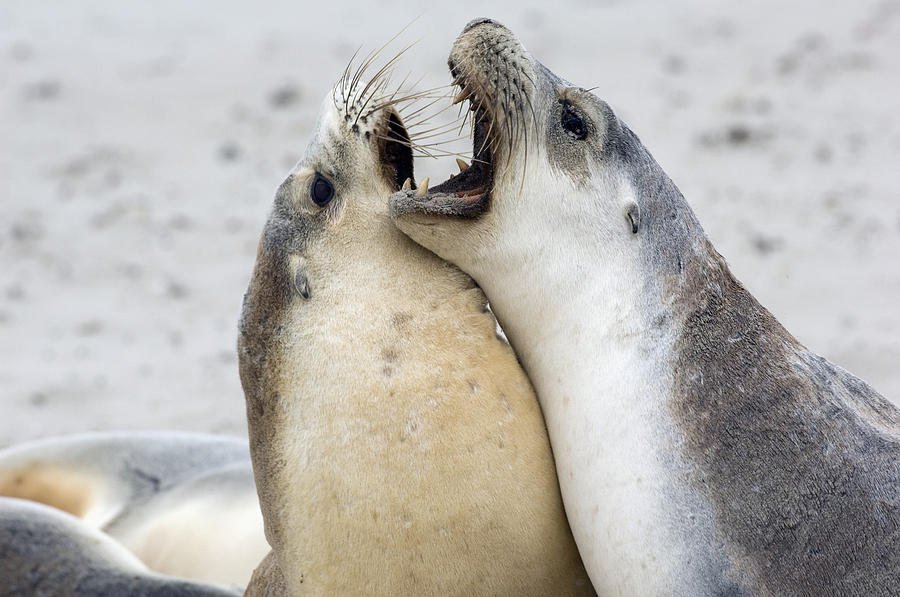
(463,166)
(462,96)
(423,188)
(407,185)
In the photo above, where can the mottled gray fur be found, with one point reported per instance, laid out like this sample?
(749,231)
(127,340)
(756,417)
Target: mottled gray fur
(799,459)
(48,553)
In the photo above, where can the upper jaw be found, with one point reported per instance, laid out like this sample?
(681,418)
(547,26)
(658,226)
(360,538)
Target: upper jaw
(494,75)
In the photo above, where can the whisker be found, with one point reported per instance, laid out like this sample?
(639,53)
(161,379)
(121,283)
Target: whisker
(446,126)
(429,117)
(384,69)
(411,115)
(465,119)
(439,133)
(426,94)
(432,150)
(346,74)
(372,56)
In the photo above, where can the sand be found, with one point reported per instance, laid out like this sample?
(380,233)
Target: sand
(142,144)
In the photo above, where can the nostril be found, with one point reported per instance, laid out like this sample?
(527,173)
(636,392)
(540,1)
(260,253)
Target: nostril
(454,71)
(476,22)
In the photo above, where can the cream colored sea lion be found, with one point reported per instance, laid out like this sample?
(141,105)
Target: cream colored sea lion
(184,504)
(397,445)
(47,552)
(701,449)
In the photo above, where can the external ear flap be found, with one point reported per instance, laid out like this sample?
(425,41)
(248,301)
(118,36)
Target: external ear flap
(633,213)
(301,282)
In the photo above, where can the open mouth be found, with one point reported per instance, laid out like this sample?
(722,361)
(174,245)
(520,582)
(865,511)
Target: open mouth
(467,193)
(396,154)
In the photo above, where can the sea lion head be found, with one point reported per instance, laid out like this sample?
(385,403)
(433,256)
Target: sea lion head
(315,256)
(552,162)
(331,205)
(359,154)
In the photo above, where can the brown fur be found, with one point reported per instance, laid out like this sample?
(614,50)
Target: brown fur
(66,490)
(398,447)
(267,581)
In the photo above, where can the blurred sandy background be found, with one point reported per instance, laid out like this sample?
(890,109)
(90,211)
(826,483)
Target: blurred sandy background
(141,144)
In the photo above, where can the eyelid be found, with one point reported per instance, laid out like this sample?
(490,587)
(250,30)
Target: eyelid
(569,114)
(314,183)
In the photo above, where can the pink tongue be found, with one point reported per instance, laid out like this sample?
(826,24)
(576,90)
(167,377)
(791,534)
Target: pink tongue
(471,196)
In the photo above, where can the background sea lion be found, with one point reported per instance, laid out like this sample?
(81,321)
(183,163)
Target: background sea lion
(184,504)
(397,445)
(701,449)
(45,551)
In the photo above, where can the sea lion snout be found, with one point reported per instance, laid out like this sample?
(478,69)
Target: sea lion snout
(480,21)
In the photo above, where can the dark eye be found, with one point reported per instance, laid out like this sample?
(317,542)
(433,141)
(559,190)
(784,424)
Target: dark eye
(572,122)
(321,191)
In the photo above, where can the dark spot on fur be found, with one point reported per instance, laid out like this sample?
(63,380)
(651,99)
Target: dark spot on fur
(400,319)
(146,477)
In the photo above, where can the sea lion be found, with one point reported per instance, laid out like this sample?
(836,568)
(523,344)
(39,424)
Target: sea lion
(45,551)
(183,503)
(397,445)
(701,449)
(267,581)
